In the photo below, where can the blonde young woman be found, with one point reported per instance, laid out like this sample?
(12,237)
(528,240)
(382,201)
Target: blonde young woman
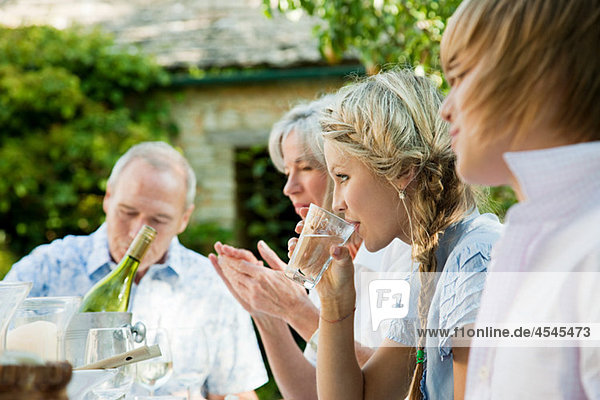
(524,111)
(389,155)
(274,301)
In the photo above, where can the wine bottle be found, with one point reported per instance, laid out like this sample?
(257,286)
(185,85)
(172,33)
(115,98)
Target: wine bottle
(112,292)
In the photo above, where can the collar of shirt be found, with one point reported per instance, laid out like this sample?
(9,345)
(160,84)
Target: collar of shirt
(556,182)
(172,268)
(452,235)
(100,258)
(560,184)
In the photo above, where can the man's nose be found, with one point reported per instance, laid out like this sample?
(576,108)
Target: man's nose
(136,225)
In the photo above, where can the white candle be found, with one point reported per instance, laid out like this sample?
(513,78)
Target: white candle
(39,337)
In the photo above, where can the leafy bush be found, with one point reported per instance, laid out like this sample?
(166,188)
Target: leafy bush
(264,211)
(201,237)
(70,104)
(7,259)
(379,32)
(498,201)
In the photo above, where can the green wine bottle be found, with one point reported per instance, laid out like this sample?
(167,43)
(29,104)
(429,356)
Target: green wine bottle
(112,292)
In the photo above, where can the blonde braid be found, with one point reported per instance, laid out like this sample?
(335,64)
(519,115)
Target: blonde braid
(440,201)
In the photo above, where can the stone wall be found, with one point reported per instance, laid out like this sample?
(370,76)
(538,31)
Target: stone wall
(214,120)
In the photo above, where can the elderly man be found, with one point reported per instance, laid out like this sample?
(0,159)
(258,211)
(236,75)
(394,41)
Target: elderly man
(212,338)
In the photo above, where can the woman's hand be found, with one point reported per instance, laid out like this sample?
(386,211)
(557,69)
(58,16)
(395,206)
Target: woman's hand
(260,290)
(298,229)
(336,286)
(241,254)
(233,287)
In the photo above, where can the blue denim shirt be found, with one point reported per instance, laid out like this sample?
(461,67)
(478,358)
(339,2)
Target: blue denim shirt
(210,333)
(462,256)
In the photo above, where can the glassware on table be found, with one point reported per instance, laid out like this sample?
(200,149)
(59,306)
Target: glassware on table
(39,324)
(192,380)
(311,258)
(81,323)
(103,343)
(11,295)
(83,381)
(153,373)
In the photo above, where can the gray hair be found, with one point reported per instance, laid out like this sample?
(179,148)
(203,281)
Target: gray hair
(304,120)
(162,157)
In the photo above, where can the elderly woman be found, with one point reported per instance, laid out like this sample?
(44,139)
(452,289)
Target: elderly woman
(274,301)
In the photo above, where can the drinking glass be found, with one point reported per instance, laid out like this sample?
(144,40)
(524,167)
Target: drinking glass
(192,380)
(103,343)
(11,295)
(311,258)
(194,369)
(39,324)
(153,373)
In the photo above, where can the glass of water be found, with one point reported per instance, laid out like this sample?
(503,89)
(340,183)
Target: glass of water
(311,258)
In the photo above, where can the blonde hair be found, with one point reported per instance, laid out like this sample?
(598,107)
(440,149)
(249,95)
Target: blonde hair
(390,122)
(537,64)
(303,120)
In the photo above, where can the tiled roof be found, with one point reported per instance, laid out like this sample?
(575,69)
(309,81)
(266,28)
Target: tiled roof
(183,33)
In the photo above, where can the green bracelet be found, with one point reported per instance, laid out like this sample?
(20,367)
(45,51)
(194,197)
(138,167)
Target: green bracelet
(420,356)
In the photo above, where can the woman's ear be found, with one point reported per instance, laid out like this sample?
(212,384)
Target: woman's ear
(401,183)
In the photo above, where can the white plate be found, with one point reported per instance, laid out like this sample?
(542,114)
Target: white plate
(85,380)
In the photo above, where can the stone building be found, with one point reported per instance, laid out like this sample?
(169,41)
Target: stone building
(216,116)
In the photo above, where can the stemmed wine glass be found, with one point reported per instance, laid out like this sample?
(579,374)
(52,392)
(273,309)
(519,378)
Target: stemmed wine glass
(192,380)
(193,372)
(103,343)
(153,373)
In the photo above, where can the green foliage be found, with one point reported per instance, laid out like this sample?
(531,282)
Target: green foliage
(380,32)
(498,201)
(7,259)
(264,211)
(70,104)
(201,237)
